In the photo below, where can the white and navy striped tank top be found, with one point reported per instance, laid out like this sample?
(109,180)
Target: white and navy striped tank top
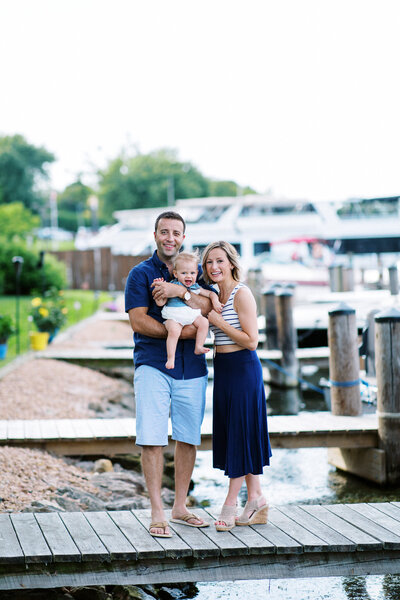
(231,317)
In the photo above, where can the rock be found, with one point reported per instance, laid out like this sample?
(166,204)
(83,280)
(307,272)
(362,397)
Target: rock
(43,506)
(120,483)
(72,498)
(128,503)
(129,461)
(102,465)
(90,593)
(167,593)
(169,468)
(131,592)
(168,496)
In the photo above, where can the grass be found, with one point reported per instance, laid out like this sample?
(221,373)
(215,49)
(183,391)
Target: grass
(80,304)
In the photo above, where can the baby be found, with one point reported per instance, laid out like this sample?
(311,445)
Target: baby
(178,314)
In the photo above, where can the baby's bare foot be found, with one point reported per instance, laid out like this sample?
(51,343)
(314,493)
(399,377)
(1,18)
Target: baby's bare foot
(201,350)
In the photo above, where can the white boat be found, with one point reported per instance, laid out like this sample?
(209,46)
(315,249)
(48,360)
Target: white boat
(273,233)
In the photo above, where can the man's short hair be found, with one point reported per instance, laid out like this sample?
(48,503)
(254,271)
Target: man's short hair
(169,214)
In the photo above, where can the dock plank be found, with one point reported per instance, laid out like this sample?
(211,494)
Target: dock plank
(49,429)
(380,518)
(145,545)
(337,542)
(10,549)
(112,537)
(248,537)
(363,540)
(175,547)
(201,545)
(229,545)
(84,536)
(354,516)
(57,537)
(31,539)
(309,541)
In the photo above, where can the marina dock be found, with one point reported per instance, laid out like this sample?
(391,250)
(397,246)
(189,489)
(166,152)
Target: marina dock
(47,550)
(116,436)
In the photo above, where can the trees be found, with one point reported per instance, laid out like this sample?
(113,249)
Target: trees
(22,167)
(16,220)
(72,206)
(146,181)
(142,181)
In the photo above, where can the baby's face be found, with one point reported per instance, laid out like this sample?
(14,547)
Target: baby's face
(186,272)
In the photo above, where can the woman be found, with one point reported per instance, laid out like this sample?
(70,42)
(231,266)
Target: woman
(240,436)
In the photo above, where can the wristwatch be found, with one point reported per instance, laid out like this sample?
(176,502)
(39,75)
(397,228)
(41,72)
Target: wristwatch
(187,295)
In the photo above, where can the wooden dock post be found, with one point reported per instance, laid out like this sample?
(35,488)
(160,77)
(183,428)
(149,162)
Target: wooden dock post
(271,327)
(347,279)
(255,283)
(393,280)
(370,356)
(287,341)
(369,463)
(344,361)
(387,352)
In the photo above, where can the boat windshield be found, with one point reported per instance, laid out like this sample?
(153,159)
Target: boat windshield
(369,208)
(207,214)
(256,210)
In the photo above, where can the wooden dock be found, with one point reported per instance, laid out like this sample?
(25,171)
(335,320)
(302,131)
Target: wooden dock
(117,436)
(46,550)
(100,358)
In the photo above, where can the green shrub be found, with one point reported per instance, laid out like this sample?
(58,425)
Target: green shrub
(34,279)
(6,328)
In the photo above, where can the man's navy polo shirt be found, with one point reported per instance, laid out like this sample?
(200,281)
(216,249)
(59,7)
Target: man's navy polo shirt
(152,351)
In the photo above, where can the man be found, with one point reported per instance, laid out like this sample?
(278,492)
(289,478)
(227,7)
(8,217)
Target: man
(159,391)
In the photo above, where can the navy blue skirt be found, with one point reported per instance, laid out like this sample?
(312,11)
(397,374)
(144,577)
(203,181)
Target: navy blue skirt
(240,432)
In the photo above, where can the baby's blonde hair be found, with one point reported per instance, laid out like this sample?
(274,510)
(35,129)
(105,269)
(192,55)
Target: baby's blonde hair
(189,256)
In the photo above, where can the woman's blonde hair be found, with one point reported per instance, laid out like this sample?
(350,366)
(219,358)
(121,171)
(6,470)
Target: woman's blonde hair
(189,256)
(231,254)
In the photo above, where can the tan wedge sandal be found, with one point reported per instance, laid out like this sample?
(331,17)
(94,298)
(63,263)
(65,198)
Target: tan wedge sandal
(226,520)
(254,512)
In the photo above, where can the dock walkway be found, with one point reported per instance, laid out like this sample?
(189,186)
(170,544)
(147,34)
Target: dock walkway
(46,550)
(117,436)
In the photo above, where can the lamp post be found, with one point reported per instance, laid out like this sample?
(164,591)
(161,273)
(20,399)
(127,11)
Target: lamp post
(17,261)
(40,265)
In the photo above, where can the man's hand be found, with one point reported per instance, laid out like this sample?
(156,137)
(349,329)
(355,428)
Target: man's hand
(162,290)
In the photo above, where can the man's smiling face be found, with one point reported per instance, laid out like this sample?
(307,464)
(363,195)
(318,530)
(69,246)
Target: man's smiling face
(169,238)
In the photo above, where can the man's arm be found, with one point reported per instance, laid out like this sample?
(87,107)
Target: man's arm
(142,323)
(164,290)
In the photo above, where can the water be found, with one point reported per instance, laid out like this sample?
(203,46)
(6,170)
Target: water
(294,477)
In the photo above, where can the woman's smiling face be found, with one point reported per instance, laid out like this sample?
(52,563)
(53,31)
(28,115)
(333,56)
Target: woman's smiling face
(218,266)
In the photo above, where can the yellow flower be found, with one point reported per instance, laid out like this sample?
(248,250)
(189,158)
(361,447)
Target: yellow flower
(64,311)
(61,293)
(36,302)
(44,312)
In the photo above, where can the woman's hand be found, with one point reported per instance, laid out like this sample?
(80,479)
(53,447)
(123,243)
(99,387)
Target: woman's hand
(215,318)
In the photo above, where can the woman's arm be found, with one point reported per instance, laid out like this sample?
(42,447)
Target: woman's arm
(246,308)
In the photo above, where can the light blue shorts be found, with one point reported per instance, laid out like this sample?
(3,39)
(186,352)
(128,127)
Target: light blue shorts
(158,395)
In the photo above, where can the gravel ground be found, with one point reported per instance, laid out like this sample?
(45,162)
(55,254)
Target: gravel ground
(46,389)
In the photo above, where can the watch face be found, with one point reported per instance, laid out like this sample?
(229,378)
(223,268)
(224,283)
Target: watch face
(187,296)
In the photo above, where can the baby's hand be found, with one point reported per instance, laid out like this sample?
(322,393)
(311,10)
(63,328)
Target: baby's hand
(216,304)
(157,280)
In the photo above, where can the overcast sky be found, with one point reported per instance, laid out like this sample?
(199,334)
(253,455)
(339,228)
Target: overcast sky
(301,97)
